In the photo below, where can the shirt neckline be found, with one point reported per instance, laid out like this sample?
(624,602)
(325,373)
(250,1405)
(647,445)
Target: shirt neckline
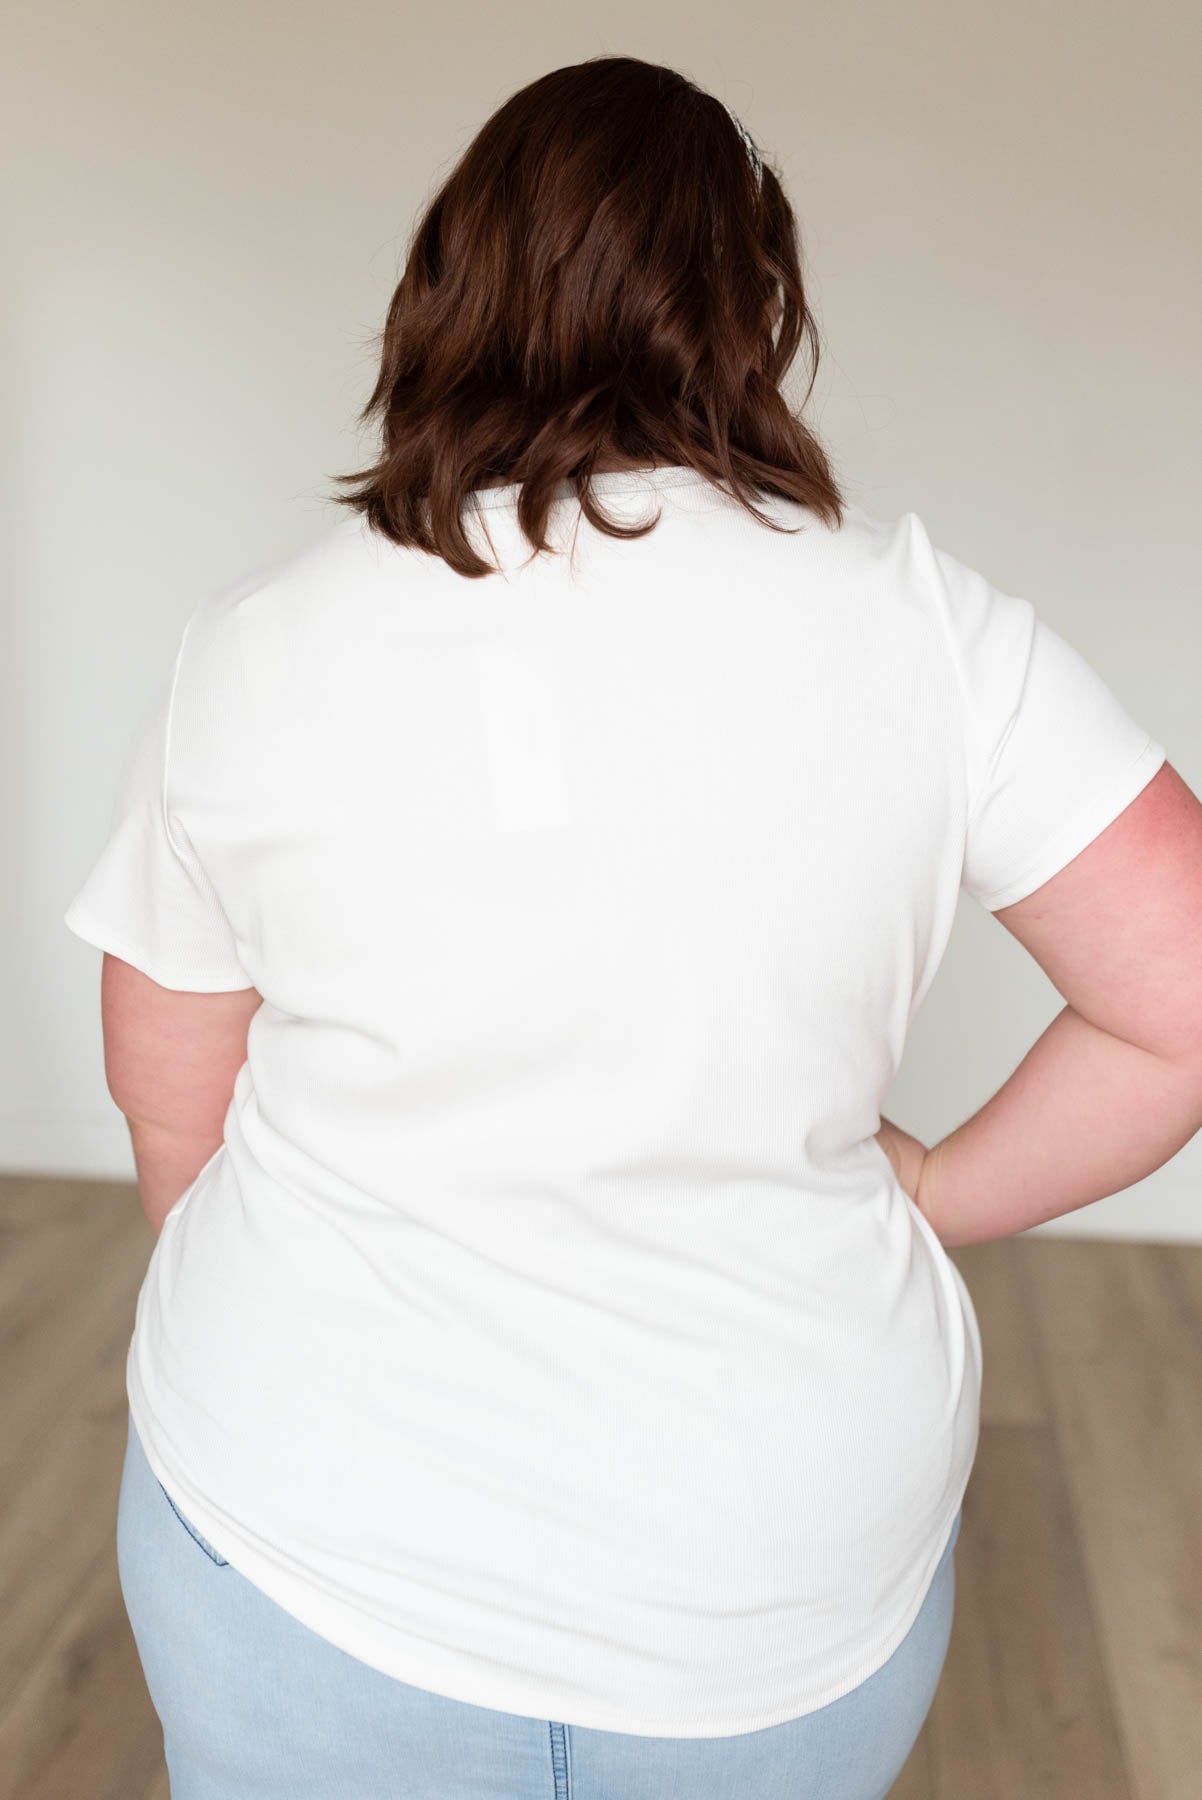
(608,481)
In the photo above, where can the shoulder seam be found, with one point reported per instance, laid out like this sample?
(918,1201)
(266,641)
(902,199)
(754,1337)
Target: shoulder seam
(179,656)
(975,782)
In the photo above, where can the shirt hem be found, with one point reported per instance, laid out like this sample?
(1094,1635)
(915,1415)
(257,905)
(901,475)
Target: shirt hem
(380,1648)
(91,930)
(1087,824)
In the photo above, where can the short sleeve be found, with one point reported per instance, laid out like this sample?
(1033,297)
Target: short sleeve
(146,898)
(1053,755)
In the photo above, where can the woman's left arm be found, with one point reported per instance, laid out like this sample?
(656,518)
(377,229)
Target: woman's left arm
(170,1062)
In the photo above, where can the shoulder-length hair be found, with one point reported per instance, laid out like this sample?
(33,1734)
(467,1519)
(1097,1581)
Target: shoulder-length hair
(609,276)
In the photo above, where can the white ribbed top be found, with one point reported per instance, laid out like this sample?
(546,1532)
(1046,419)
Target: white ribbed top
(550,1331)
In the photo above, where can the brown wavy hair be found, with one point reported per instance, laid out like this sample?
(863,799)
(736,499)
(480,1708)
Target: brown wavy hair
(609,277)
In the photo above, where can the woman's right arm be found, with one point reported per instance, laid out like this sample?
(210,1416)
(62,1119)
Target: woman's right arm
(1113,1087)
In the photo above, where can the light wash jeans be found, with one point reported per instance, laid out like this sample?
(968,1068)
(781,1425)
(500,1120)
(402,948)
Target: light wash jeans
(256,1706)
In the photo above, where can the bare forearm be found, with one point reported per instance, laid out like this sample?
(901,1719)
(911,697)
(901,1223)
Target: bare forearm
(167,1163)
(1083,1115)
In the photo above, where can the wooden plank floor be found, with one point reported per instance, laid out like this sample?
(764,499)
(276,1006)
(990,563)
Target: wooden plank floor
(1075,1665)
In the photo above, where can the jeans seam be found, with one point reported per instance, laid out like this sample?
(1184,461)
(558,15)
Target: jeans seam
(559,1760)
(200,1542)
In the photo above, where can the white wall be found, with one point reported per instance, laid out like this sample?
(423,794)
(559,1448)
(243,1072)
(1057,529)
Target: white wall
(999,214)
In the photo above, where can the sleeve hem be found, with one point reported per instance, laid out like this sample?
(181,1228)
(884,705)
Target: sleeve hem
(226,979)
(1085,825)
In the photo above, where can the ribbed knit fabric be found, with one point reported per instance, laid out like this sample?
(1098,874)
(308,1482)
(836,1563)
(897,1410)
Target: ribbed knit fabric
(550,1330)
